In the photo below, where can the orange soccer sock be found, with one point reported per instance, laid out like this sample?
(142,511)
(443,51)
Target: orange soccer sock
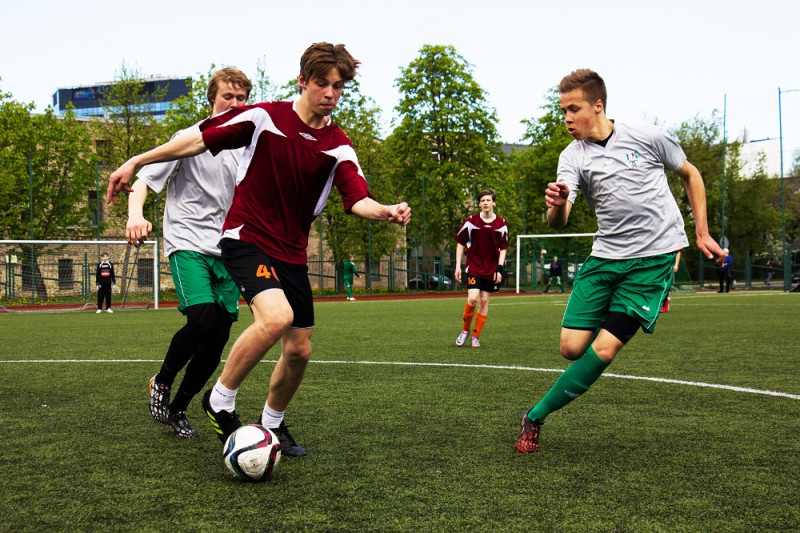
(480,320)
(469,312)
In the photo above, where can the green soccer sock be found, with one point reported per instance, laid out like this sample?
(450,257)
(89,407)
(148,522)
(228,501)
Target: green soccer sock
(575,380)
(349,291)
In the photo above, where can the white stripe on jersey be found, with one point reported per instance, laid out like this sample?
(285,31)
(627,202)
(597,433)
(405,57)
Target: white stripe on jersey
(341,153)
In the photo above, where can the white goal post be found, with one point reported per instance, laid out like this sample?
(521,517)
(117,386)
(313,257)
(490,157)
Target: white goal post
(519,265)
(49,272)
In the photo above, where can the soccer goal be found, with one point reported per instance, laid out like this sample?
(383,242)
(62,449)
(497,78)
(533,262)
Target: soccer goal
(536,252)
(61,273)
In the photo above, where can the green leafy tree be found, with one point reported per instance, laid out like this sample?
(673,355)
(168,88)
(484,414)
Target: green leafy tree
(263,88)
(701,141)
(190,109)
(360,118)
(51,159)
(444,146)
(752,202)
(47,177)
(795,172)
(129,128)
(538,165)
(752,206)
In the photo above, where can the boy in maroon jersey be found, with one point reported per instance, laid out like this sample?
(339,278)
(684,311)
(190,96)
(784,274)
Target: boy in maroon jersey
(293,156)
(485,235)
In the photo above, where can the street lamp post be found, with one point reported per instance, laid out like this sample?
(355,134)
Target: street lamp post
(787,262)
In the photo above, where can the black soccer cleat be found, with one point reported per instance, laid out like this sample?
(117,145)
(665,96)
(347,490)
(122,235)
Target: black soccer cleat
(181,425)
(224,422)
(288,445)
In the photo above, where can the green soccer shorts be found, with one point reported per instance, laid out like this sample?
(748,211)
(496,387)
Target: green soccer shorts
(636,287)
(201,278)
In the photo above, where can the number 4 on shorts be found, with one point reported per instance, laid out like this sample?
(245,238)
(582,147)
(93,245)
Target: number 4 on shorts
(263,272)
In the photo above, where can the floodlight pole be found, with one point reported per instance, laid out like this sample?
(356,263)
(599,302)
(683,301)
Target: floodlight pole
(787,262)
(724,150)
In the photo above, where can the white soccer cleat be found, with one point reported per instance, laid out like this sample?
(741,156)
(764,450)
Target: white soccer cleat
(475,342)
(462,337)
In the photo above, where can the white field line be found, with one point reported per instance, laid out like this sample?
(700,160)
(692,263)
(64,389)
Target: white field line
(747,390)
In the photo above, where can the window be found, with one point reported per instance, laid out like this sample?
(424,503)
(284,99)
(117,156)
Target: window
(65,276)
(144,272)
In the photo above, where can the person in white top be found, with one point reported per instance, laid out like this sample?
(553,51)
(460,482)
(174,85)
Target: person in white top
(199,193)
(620,169)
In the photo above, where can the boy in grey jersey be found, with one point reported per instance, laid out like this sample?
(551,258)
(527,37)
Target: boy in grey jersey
(625,281)
(193,217)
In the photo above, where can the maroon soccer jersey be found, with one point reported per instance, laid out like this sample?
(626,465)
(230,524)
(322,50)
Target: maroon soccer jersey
(285,176)
(483,241)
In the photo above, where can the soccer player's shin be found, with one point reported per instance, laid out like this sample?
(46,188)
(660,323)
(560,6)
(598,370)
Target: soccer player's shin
(469,312)
(480,320)
(575,380)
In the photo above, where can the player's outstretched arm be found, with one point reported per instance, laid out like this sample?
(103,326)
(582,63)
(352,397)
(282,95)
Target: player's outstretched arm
(558,207)
(696,192)
(178,147)
(371,210)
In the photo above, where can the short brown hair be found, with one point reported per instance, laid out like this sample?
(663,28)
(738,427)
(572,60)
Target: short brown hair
(589,81)
(320,58)
(231,75)
(487,192)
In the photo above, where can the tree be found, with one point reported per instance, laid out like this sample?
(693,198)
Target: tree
(191,108)
(538,165)
(444,146)
(129,128)
(752,212)
(47,176)
(49,159)
(360,118)
(194,107)
(795,172)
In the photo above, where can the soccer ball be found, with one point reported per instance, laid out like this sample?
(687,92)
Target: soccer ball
(252,452)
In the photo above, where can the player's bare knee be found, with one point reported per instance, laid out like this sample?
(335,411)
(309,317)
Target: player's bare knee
(274,325)
(571,352)
(297,351)
(573,342)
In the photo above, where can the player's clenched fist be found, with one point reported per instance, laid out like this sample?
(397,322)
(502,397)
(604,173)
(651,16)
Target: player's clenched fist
(556,194)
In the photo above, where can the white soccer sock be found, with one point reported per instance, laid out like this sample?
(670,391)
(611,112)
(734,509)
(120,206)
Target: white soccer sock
(270,418)
(222,398)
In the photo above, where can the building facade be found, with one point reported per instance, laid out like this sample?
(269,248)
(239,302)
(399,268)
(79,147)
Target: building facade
(87,99)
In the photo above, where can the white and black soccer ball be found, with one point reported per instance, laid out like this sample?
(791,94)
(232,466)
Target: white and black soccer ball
(252,452)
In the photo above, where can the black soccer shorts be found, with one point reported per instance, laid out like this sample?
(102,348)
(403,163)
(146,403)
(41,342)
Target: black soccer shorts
(254,272)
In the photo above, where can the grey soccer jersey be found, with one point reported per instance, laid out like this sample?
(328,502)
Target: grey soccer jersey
(199,193)
(625,185)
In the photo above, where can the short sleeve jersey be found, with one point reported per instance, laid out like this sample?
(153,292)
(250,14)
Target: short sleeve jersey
(285,176)
(199,192)
(483,241)
(625,184)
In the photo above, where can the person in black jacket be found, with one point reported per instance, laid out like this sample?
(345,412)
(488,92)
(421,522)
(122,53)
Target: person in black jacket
(106,281)
(555,275)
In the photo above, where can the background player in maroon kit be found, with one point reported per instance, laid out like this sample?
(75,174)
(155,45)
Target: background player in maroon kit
(293,156)
(485,235)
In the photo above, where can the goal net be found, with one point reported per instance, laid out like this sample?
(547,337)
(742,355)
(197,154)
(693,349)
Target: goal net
(62,274)
(536,252)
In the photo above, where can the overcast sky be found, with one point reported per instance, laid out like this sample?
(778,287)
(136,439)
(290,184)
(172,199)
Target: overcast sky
(665,61)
